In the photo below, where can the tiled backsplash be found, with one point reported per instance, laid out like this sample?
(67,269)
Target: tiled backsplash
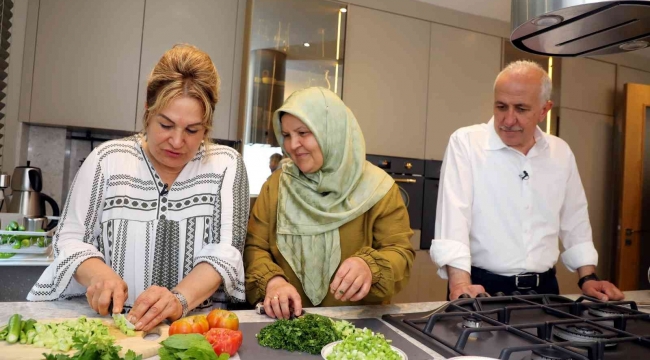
(59,154)
(46,150)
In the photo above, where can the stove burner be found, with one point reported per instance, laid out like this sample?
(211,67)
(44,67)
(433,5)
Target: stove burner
(471,322)
(603,312)
(582,333)
(549,354)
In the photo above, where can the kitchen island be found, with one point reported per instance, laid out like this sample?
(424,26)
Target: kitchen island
(78,307)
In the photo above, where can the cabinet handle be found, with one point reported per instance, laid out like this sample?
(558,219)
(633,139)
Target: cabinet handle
(408,181)
(408,166)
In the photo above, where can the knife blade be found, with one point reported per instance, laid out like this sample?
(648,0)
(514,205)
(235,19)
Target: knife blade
(259,309)
(119,317)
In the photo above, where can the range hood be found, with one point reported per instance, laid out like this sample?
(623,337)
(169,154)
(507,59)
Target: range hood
(580,27)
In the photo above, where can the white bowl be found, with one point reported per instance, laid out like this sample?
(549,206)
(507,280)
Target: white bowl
(327,349)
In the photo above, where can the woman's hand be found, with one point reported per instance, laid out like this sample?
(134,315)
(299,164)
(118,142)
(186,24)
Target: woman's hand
(280,298)
(352,281)
(105,287)
(153,306)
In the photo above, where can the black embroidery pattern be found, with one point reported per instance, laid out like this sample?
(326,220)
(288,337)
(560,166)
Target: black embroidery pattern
(109,237)
(130,181)
(147,256)
(216,150)
(100,243)
(120,248)
(63,270)
(166,256)
(216,216)
(241,205)
(123,201)
(189,246)
(194,200)
(95,200)
(233,286)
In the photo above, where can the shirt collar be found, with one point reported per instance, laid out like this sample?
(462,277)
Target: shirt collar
(494,142)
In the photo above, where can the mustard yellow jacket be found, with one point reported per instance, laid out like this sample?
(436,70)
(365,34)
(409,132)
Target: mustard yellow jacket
(381,237)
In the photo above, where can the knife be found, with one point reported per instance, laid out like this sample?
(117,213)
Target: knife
(259,309)
(120,317)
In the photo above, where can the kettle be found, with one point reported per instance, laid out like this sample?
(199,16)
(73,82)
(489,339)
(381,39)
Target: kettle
(27,198)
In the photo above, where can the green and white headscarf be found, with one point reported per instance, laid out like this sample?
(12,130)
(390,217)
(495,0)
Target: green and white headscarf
(312,207)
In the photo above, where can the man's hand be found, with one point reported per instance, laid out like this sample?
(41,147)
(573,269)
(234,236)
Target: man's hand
(599,289)
(460,283)
(602,290)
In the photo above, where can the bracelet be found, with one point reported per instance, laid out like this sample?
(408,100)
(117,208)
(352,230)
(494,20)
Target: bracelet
(586,278)
(183,302)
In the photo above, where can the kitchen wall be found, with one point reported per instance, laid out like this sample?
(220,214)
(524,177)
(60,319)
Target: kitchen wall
(590,120)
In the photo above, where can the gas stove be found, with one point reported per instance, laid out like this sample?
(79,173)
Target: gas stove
(532,327)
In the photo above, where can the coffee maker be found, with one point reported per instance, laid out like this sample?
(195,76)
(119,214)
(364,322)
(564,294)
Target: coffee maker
(27,198)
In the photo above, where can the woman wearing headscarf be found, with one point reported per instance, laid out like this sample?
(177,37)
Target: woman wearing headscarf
(329,228)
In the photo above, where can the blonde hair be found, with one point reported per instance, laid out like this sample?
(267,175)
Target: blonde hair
(522,66)
(184,70)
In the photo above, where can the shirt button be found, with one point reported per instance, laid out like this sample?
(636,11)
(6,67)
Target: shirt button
(164,199)
(163,217)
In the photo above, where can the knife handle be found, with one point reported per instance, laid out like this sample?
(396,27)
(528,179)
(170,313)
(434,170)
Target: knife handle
(110,309)
(259,309)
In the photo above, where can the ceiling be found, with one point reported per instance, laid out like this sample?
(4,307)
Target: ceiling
(495,9)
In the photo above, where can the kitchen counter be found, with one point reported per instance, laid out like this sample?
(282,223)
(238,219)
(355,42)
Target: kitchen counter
(77,307)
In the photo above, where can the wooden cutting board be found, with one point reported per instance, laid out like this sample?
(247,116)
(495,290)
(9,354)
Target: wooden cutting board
(145,347)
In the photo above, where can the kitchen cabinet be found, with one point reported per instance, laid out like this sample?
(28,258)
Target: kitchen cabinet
(425,284)
(211,25)
(588,85)
(590,137)
(86,63)
(385,80)
(462,70)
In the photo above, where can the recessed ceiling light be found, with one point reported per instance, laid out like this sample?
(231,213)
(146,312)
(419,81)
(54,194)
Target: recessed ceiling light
(306,45)
(547,20)
(634,45)
(343,10)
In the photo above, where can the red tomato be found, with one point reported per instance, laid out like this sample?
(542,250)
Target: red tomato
(224,340)
(224,319)
(197,324)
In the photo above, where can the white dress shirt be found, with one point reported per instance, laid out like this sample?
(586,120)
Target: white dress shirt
(490,215)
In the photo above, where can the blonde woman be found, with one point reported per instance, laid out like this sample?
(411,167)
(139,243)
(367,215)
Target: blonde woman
(156,221)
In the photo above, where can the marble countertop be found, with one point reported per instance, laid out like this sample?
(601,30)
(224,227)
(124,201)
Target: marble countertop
(77,307)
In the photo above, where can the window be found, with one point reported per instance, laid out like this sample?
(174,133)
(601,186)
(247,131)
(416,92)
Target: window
(293,44)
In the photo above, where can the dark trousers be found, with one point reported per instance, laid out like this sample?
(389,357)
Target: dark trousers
(541,283)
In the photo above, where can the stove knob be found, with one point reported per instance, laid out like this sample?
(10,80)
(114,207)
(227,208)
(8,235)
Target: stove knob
(500,293)
(465,296)
(482,295)
(516,293)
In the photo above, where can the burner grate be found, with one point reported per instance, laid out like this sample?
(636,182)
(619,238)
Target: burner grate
(531,327)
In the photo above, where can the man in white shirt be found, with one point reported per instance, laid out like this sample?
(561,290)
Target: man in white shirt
(507,193)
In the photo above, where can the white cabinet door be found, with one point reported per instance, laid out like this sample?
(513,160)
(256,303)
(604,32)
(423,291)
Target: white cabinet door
(208,24)
(86,63)
(385,82)
(462,70)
